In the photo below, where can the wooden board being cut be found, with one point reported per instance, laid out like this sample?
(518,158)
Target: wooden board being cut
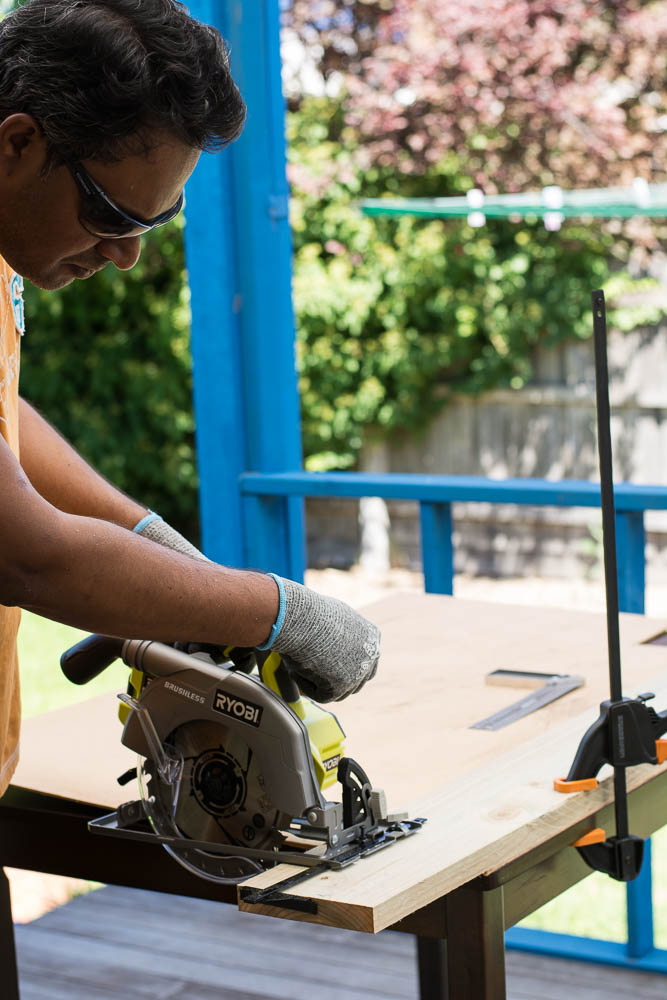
(76,753)
(488,796)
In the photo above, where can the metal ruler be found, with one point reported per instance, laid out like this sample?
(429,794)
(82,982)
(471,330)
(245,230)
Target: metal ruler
(555,687)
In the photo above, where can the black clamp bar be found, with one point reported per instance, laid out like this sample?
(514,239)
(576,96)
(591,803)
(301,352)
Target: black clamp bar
(627,731)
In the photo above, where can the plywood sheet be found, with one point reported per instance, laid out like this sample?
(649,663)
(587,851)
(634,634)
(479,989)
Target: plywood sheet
(487,795)
(76,753)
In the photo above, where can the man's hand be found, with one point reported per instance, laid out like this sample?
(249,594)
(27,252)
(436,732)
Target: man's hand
(63,556)
(153,527)
(330,649)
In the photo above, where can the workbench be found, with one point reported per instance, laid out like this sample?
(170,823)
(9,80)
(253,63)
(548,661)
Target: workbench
(496,844)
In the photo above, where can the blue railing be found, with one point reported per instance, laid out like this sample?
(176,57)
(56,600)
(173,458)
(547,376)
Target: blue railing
(274,540)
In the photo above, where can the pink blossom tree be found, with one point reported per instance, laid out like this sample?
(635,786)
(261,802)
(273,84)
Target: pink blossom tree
(531,92)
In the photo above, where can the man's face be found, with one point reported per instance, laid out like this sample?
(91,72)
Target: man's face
(41,235)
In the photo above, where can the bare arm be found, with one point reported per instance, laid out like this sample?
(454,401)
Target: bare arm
(64,478)
(66,553)
(101,577)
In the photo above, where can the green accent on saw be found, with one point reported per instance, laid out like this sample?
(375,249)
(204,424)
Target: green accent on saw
(134,687)
(327,739)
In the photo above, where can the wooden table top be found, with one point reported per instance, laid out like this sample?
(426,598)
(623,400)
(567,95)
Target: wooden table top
(488,796)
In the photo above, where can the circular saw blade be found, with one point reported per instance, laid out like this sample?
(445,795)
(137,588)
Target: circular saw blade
(222,797)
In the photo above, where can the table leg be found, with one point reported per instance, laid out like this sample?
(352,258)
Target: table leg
(475,944)
(432,965)
(10,976)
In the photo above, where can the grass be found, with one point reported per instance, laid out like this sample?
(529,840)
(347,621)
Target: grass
(43,685)
(593,908)
(596,906)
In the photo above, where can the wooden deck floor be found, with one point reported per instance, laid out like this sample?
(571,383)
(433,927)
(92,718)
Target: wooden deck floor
(121,944)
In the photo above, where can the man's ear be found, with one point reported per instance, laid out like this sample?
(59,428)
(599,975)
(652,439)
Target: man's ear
(22,145)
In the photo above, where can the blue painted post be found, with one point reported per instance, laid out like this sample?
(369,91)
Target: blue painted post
(639,900)
(437,547)
(272,418)
(216,358)
(239,258)
(266,538)
(630,545)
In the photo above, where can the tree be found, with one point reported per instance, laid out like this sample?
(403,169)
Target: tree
(432,99)
(537,92)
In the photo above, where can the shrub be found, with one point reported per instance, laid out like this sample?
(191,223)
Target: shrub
(107,360)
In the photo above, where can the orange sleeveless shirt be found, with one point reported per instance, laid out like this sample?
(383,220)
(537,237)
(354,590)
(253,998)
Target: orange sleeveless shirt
(11,328)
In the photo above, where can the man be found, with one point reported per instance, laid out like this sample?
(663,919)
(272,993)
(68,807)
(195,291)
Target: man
(105,106)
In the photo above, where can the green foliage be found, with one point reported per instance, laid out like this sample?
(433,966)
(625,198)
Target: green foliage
(395,315)
(107,360)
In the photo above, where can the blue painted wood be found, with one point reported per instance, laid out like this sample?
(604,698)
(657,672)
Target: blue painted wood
(406,486)
(437,547)
(218,403)
(296,539)
(584,949)
(264,246)
(238,248)
(630,546)
(264,250)
(267,539)
(640,910)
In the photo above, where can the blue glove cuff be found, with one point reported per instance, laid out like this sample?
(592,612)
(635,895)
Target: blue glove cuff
(148,519)
(278,624)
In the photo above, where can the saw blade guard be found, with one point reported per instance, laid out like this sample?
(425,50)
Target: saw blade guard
(183,689)
(160,806)
(224,761)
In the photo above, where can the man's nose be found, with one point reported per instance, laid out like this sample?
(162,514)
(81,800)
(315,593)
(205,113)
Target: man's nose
(123,253)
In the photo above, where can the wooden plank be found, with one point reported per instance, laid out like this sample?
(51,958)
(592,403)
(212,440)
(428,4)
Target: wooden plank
(535,976)
(436,652)
(257,938)
(155,972)
(35,986)
(101,963)
(495,800)
(474,826)
(487,795)
(46,988)
(76,753)
(225,934)
(112,943)
(546,877)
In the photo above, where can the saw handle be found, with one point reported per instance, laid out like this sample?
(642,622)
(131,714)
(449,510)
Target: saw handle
(88,658)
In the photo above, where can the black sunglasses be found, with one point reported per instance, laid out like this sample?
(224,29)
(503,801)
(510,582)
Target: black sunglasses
(100,216)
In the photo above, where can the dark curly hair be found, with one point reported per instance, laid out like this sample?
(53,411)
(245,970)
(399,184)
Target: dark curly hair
(98,74)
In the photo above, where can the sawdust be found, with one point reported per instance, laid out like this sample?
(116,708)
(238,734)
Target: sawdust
(34,894)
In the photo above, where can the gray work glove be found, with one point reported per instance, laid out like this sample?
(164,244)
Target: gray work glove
(156,530)
(329,648)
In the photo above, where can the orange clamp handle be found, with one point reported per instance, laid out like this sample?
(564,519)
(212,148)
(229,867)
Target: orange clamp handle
(596,836)
(583,785)
(661,751)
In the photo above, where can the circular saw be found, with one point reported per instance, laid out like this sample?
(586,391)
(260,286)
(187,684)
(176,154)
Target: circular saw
(233,762)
